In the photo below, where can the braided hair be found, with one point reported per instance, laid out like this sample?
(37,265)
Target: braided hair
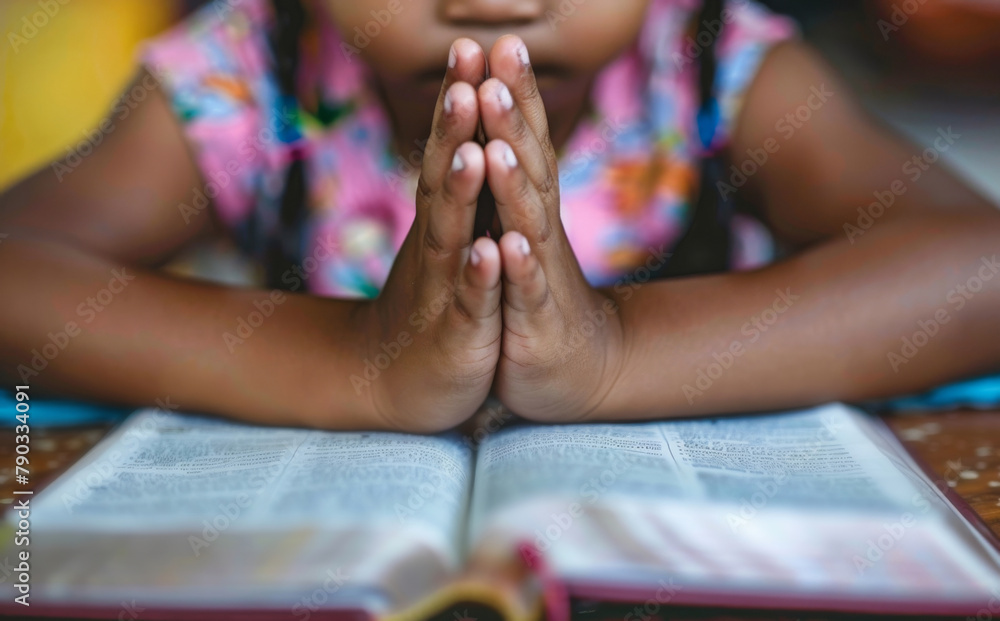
(705,246)
(282,252)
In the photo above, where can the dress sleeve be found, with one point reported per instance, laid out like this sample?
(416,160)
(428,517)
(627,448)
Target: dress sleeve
(750,32)
(213,71)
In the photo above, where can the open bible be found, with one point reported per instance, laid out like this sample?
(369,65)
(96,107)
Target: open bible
(183,516)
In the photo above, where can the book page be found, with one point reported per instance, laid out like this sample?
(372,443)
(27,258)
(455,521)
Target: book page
(366,504)
(762,504)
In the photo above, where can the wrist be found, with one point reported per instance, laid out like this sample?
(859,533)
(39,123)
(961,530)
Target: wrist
(370,376)
(339,389)
(611,401)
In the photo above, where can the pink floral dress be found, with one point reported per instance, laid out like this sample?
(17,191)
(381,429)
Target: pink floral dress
(626,175)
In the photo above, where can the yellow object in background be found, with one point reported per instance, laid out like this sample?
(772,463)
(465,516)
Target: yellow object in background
(62,63)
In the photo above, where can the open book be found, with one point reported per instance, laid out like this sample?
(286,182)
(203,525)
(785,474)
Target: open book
(183,516)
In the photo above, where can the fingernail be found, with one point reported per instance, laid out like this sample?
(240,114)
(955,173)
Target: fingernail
(452,58)
(457,163)
(524,246)
(447,102)
(522,55)
(474,257)
(508,157)
(503,94)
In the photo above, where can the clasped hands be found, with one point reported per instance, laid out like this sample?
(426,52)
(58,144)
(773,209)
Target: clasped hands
(501,315)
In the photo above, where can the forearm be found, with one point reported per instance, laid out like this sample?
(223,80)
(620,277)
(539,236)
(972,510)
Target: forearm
(825,325)
(82,326)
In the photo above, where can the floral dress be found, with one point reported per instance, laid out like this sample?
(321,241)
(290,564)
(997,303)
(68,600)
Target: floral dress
(627,174)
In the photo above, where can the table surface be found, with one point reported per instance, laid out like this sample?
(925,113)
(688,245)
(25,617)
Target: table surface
(962,448)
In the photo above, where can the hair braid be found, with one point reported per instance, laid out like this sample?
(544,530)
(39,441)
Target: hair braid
(706,245)
(283,250)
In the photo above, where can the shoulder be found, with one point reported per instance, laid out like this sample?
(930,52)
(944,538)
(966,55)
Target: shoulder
(672,38)
(673,43)
(749,32)
(211,63)
(215,71)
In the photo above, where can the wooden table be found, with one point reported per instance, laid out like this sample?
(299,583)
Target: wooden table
(963,449)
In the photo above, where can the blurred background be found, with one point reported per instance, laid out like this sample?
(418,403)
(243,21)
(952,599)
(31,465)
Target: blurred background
(918,64)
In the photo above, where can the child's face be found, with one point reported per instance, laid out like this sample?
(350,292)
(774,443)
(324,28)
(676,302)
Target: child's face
(406,42)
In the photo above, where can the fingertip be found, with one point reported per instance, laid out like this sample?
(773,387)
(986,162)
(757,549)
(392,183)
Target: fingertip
(488,250)
(466,174)
(509,59)
(460,100)
(515,247)
(467,60)
(509,46)
(525,289)
(468,161)
(466,48)
(519,263)
(501,156)
(494,99)
(484,263)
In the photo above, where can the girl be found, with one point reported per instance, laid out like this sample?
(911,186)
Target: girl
(301,130)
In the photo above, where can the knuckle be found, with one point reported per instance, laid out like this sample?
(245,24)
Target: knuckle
(549,184)
(462,310)
(425,193)
(440,132)
(529,86)
(520,133)
(543,232)
(530,214)
(525,198)
(434,246)
(545,302)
